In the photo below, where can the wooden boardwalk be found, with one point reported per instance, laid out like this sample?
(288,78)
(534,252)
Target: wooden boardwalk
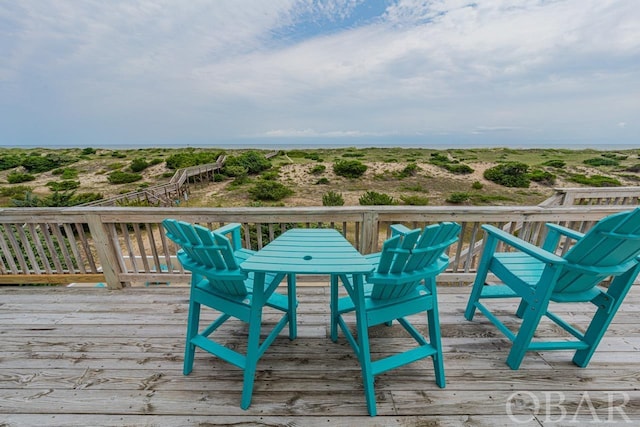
(95,357)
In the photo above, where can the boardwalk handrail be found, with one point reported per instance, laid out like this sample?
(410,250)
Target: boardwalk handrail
(594,196)
(126,245)
(164,194)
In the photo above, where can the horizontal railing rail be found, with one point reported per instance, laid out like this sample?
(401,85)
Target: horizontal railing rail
(127,245)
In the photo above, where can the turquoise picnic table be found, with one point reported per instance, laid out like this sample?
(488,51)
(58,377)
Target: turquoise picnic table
(307,251)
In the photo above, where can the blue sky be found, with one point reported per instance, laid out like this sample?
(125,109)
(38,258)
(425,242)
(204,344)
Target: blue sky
(226,73)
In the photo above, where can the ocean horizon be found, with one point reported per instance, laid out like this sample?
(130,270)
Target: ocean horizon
(279,145)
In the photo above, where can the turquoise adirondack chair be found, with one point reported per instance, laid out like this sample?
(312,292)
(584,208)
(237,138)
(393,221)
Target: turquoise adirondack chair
(217,282)
(537,276)
(403,284)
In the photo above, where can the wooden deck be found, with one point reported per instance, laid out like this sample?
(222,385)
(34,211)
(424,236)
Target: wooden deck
(91,356)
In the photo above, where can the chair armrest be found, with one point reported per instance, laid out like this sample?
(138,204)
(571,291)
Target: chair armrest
(399,229)
(523,246)
(233,229)
(555,232)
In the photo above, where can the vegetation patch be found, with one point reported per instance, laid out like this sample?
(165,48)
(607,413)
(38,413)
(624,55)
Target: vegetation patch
(186,159)
(458,197)
(269,191)
(119,177)
(511,174)
(542,177)
(601,161)
(372,198)
(414,200)
(453,166)
(349,168)
(18,177)
(555,163)
(595,180)
(65,185)
(253,161)
(331,198)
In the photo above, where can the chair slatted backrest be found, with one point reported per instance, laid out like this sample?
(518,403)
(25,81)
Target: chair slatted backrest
(405,261)
(613,242)
(207,253)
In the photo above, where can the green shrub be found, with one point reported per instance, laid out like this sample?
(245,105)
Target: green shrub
(510,174)
(138,165)
(9,162)
(458,197)
(477,185)
(543,177)
(191,158)
(353,154)
(15,191)
(322,181)
(458,168)
(63,185)
(317,169)
(66,173)
(452,166)
(57,199)
(601,161)
(410,170)
(119,177)
(18,177)
(595,180)
(236,171)
(253,161)
(349,168)
(218,177)
(614,156)
(415,187)
(35,163)
(118,155)
(88,150)
(269,190)
(331,198)
(415,200)
(269,175)
(371,198)
(437,158)
(555,163)
(82,198)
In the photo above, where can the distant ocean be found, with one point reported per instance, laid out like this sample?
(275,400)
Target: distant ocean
(288,144)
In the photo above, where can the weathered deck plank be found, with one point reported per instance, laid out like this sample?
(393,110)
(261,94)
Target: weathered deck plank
(91,356)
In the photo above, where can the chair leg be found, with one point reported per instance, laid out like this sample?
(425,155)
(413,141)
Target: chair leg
(602,319)
(481,277)
(530,322)
(522,308)
(365,364)
(251,359)
(193,323)
(362,327)
(435,338)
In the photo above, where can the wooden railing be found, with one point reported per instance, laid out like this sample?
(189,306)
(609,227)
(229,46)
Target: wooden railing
(594,196)
(123,246)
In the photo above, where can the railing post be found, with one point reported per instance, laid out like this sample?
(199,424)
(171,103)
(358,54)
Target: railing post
(106,251)
(369,232)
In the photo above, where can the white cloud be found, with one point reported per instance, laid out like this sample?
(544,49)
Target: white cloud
(219,70)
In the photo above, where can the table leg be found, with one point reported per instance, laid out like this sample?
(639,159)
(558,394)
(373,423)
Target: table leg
(333,304)
(293,305)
